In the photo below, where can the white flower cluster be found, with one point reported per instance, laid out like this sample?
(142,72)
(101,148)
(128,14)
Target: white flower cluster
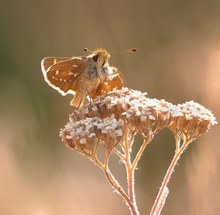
(105,117)
(93,129)
(192,110)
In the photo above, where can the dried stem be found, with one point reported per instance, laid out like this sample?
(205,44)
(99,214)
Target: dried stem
(130,174)
(111,178)
(130,200)
(120,155)
(163,192)
(141,150)
(115,184)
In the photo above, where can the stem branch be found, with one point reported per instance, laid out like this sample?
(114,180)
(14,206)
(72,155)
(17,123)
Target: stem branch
(140,152)
(163,192)
(130,174)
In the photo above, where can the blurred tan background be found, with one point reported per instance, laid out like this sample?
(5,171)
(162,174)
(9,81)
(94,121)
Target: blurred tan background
(178,59)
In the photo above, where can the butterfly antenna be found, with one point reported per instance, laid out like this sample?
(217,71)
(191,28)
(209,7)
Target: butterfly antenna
(87,50)
(131,50)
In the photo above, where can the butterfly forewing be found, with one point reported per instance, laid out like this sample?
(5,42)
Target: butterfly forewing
(49,61)
(64,75)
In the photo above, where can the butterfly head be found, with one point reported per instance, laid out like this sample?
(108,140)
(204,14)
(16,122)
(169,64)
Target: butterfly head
(100,57)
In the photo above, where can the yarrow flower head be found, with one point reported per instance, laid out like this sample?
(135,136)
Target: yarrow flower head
(84,134)
(105,119)
(194,121)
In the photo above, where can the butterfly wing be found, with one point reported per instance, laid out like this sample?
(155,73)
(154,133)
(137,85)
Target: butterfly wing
(116,82)
(49,61)
(63,74)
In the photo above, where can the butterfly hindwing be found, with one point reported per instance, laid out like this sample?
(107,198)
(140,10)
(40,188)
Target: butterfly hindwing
(116,82)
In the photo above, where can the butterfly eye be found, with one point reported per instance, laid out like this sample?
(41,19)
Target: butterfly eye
(95,58)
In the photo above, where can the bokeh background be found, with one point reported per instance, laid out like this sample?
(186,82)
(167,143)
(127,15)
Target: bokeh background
(178,59)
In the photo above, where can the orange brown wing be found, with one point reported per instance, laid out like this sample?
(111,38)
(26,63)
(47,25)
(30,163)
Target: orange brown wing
(49,61)
(114,83)
(64,75)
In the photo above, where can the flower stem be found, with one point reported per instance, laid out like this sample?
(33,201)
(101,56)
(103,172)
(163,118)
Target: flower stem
(130,175)
(163,192)
(141,150)
(131,192)
(115,184)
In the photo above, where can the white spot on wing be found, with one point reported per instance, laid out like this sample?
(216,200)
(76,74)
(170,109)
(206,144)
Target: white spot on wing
(57,72)
(70,73)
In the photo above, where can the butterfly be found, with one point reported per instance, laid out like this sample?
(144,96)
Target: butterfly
(85,77)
